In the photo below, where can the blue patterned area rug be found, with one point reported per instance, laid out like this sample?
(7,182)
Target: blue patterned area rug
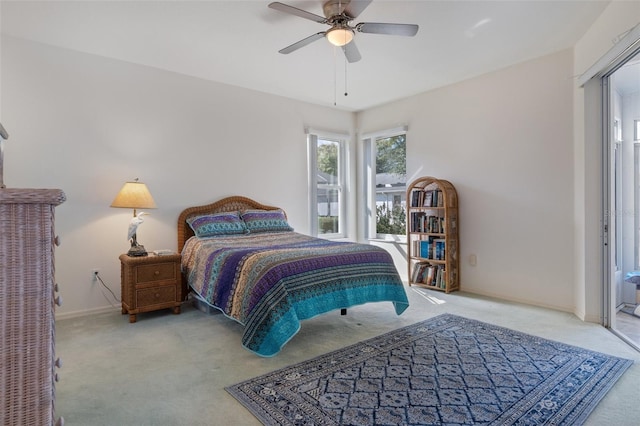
(446,370)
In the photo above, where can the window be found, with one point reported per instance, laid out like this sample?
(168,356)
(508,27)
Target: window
(326,185)
(386,169)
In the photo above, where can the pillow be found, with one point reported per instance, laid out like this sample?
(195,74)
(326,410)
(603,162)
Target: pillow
(217,224)
(258,221)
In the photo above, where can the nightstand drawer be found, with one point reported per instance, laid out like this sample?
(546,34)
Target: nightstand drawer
(155,272)
(155,296)
(149,283)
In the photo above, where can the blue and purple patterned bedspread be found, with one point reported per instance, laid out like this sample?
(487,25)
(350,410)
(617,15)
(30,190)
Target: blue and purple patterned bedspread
(269,282)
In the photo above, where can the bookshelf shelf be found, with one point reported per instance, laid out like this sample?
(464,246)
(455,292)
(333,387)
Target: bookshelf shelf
(432,234)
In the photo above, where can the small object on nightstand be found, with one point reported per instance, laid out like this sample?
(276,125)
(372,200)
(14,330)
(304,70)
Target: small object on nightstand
(150,283)
(163,252)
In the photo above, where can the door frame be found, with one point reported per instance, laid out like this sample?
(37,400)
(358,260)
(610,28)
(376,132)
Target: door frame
(610,200)
(597,275)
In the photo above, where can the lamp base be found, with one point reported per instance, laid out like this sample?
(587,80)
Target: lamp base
(136,251)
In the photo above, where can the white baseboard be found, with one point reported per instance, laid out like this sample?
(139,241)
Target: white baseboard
(76,314)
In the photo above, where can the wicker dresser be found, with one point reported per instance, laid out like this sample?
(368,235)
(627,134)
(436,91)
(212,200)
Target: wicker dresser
(27,299)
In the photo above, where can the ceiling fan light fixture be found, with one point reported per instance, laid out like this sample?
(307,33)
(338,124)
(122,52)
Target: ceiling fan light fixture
(340,36)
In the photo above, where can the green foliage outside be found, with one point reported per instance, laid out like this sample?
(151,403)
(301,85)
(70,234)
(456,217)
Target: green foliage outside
(328,163)
(328,224)
(391,221)
(328,159)
(391,157)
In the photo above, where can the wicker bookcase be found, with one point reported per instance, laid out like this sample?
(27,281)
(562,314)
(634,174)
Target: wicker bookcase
(432,234)
(27,300)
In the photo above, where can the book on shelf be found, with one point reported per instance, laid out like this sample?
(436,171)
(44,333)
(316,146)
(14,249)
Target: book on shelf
(439,248)
(423,273)
(429,274)
(434,224)
(425,248)
(428,226)
(441,278)
(417,198)
(430,248)
(418,271)
(417,221)
(428,199)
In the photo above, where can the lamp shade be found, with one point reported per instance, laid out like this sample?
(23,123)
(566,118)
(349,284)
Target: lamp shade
(339,36)
(134,195)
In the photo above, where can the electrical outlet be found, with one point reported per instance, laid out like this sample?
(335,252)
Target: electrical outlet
(94,275)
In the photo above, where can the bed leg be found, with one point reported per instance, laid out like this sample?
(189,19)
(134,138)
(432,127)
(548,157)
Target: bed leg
(343,311)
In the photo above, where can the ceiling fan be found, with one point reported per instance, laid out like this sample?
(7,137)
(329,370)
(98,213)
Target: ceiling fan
(338,14)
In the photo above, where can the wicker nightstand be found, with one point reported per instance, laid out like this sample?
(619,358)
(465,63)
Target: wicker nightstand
(150,283)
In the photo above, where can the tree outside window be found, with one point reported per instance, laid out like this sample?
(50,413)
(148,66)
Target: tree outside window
(391,184)
(328,190)
(326,184)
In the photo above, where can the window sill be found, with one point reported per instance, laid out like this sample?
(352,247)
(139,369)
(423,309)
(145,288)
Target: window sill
(390,238)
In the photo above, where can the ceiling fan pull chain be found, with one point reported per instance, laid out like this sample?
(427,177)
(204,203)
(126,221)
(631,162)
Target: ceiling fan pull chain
(335,78)
(345,77)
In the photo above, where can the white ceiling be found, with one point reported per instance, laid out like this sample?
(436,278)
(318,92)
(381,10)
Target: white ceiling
(237,42)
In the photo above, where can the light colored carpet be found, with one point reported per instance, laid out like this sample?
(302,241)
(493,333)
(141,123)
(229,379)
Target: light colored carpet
(172,369)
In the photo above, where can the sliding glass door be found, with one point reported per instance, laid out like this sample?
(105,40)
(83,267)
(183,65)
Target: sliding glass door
(621,113)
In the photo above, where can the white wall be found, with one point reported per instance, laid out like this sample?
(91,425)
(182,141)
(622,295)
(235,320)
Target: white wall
(505,142)
(86,124)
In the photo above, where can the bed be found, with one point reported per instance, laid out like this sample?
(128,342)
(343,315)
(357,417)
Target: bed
(241,257)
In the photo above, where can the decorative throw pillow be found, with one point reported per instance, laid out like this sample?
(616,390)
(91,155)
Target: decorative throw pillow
(265,221)
(217,224)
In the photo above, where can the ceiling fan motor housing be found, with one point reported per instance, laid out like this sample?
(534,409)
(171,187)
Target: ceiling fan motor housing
(332,8)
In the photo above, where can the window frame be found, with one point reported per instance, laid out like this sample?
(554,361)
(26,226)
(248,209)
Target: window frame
(636,198)
(313,136)
(369,182)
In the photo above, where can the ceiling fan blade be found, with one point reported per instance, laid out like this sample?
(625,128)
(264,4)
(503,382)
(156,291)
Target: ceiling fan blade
(298,12)
(297,45)
(351,52)
(392,29)
(355,7)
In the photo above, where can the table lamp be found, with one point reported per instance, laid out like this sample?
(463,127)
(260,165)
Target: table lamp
(134,195)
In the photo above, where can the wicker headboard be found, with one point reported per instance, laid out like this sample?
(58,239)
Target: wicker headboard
(228,204)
